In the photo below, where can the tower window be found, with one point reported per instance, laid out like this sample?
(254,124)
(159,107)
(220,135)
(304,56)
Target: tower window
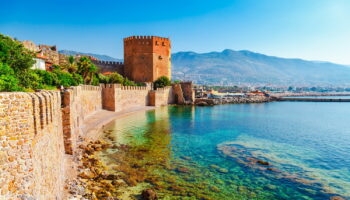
(163,43)
(156,42)
(160,57)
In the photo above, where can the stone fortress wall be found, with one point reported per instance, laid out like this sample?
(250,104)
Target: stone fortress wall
(162,96)
(78,103)
(109,66)
(38,129)
(119,98)
(31,146)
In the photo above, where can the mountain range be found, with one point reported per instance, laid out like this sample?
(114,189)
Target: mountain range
(98,56)
(244,67)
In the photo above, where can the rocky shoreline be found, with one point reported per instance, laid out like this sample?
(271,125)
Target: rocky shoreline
(231,100)
(94,180)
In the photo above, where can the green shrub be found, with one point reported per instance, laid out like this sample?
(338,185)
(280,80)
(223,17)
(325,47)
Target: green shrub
(95,80)
(78,79)
(14,54)
(162,82)
(103,79)
(65,79)
(30,80)
(8,81)
(127,82)
(115,78)
(48,78)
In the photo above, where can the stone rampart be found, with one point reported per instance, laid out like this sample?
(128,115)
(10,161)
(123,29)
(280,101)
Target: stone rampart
(109,66)
(161,97)
(37,129)
(118,98)
(78,103)
(31,146)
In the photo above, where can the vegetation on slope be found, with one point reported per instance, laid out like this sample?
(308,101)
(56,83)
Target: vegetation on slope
(16,73)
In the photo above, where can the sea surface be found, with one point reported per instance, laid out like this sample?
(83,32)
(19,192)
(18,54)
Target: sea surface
(278,150)
(321,97)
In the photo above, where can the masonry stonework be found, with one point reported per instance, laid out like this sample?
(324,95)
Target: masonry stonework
(119,98)
(146,58)
(31,126)
(161,97)
(37,130)
(109,66)
(78,103)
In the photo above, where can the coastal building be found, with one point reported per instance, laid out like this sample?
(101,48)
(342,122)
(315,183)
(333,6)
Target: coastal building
(45,53)
(39,63)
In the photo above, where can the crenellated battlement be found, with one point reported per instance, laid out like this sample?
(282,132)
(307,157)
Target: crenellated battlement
(109,66)
(146,38)
(102,62)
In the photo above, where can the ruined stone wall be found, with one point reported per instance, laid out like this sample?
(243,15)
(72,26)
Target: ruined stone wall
(161,96)
(78,103)
(31,146)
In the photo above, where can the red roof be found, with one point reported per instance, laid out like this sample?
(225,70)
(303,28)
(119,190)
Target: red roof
(106,73)
(41,56)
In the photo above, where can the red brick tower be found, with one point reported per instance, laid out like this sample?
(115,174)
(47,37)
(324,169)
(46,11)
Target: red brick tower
(146,58)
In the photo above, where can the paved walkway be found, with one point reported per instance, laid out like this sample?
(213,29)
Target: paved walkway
(97,120)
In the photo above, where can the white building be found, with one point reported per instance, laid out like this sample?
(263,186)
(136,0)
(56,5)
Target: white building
(39,64)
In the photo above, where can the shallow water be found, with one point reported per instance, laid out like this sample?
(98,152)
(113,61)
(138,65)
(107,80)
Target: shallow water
(212,152)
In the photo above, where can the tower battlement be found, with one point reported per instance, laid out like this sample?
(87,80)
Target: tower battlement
(147,40)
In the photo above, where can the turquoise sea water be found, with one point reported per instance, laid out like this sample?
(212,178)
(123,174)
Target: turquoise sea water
(321,97)
(212,152)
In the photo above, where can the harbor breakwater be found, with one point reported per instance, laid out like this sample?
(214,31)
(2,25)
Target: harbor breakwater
(40,131)
(231,100)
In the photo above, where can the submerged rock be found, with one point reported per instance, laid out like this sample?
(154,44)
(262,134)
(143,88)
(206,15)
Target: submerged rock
(183,170)
(261,162)
(149,194)
(214,166)
(186,157)
(87,175)
(336,198)
(223,170)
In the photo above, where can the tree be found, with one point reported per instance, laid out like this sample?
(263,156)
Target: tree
(8,80)
(115,78)
(71,66)
(162,82)
(13,54)
(86,69)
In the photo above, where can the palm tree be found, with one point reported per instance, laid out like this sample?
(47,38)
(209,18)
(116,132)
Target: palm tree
(86,69)
(71,66)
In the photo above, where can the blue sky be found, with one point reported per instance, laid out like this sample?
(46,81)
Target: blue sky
(309,29)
